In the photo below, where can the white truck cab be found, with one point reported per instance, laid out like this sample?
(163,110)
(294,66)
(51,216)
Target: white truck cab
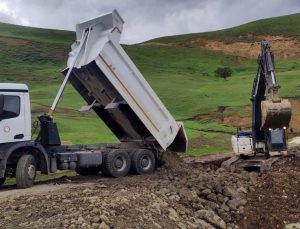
(15,114)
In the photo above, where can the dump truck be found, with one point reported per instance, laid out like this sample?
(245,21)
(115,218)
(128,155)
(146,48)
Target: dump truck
(112,86)
(271,116)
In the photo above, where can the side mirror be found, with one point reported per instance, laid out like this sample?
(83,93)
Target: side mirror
(1,104)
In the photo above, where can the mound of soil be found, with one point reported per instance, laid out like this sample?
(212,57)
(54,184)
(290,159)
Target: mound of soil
(192,194)
(276,200)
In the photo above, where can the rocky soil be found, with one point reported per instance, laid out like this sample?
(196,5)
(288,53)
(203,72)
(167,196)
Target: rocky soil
(179,195)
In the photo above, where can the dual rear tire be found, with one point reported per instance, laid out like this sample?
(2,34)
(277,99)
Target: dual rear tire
(143,161)
(118,162)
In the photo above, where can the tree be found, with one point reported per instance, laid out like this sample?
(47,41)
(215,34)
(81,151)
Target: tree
(224,72)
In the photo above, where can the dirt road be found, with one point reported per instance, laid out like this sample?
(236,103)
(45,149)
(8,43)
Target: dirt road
(179,195)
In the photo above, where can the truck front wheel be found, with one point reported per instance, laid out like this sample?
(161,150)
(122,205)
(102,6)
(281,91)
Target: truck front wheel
(143,161)
(26,171)
(116,163)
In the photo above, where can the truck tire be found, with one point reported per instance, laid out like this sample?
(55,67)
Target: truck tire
(2,181)
(117,163)
(91,171)
(143,161)
(26,171)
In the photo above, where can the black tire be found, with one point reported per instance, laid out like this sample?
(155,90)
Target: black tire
(91,171)
(117,163)
(143,161)
(2,181)
(26,171)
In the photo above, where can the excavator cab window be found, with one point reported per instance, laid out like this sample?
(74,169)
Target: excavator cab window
(277,139)
(244,133)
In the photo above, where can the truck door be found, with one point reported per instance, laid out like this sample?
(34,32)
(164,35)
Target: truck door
(12,127)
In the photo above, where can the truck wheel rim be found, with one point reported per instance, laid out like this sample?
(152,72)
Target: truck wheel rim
(145,162)
(31,171)
(120,163)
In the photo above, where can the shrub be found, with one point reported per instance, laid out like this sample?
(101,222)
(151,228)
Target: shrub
(223,72)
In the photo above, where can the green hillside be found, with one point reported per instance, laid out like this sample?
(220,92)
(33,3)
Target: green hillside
(288,26)
(182,77)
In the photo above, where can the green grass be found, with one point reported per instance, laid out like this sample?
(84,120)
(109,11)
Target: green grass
(81,129)
(43,177)
(37,34)
(182,77)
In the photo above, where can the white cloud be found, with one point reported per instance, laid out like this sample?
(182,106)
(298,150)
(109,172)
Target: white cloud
(145,19)
(4,9)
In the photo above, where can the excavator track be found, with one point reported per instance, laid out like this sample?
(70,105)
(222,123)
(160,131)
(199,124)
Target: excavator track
(257,163)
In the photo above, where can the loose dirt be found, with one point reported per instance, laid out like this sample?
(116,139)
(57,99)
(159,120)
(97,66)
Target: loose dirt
(14,41)
(189,193)
(276,199)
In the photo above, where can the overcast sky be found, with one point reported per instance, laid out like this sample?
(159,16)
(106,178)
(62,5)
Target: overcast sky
(145,19)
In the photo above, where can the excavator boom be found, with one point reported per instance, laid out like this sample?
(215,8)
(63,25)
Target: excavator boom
(275,111)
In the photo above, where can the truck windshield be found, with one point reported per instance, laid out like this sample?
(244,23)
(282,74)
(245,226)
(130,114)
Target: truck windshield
(11,107)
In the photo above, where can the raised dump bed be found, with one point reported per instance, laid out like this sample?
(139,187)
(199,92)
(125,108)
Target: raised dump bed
(103,74)
(110,83)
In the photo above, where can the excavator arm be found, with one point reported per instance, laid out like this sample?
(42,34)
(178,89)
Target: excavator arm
(270,113)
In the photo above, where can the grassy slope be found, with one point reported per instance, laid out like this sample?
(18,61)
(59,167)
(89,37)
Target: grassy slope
(285,25)
(51,36)
(182,77)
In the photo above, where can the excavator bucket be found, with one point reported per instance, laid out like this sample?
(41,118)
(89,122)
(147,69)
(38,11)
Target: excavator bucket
(276,114)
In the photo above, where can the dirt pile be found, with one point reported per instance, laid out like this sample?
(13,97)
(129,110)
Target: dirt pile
(176,196)
(276,200)
(179,195)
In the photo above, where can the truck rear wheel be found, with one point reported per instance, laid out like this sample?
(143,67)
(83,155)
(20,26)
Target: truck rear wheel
(117,163)
(143,161)
(26,171)
(91,171)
